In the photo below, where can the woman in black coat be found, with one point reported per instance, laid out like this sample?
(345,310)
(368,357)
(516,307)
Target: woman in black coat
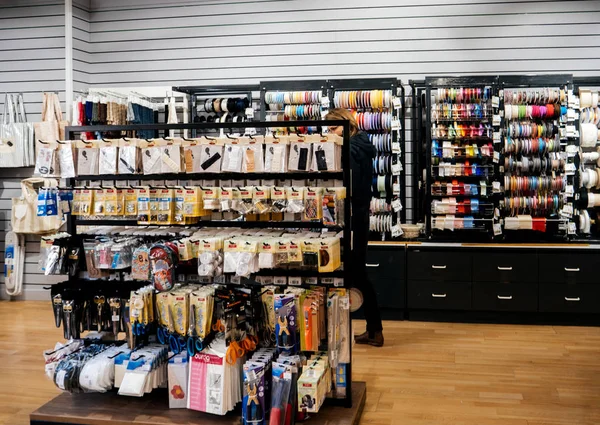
(362,153)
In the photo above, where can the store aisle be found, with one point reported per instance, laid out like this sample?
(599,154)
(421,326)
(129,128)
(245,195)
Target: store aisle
(427,373)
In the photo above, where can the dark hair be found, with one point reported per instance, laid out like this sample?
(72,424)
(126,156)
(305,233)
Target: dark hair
(343,114)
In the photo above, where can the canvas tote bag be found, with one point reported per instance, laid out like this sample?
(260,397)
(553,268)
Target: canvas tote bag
(52,127)
(24,218)
(16,134)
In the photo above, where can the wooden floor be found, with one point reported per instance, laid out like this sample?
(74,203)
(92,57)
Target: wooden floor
(427,373)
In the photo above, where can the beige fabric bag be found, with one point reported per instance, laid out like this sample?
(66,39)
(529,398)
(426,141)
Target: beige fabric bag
(52,127)
(24,216)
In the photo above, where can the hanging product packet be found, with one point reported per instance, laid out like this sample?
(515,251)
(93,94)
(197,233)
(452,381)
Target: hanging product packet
(87,158)
(276,154)
(313,204)
(253,154)
(211,155)
(143,205)
(261,197)
(151,157)
(192,152)
(66,159)
(233,155)
(46,163)
(172,160)
(326,153)
(300,156)
(129,156)
(108,156)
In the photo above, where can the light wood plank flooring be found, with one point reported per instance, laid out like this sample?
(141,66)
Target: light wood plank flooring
(427,373)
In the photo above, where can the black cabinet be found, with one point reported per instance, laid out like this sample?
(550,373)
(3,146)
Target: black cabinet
(489,296)
(505,267)
(386,268)
(446,295)
(573,266)
(569,298)
(439,265)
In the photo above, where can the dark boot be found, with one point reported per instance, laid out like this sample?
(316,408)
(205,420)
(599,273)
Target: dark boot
(375,339)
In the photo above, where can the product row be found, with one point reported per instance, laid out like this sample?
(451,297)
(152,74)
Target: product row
(159,156)
(188,205)
(228,104)
(374,99)
(462,94)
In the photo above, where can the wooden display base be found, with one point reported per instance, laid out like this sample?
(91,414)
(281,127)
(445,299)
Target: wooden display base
(153,409)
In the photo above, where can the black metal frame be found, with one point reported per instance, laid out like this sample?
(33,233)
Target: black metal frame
(346,273)
(290,85)
(445,81)
(195,91)
(416,131)
(382,84)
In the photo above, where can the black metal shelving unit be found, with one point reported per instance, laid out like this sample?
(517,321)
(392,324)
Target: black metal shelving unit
(482,223)
(345,272)
(399,136)
(419,144)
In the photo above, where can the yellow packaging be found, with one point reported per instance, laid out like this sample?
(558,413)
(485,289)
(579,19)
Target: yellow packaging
(313,204)
(99,207)
(179,308)
(166,206)
(193,206)
(162,304)
(153,202)
(143,205)
(329,254)
(111,201)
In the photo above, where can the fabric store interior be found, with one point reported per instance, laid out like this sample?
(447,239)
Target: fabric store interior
(275,212)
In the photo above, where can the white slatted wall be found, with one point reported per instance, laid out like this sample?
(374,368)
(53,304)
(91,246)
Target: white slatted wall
(32,60)
(245,41)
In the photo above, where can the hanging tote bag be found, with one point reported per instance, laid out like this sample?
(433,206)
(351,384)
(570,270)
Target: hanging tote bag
(52,127)
(16,134)
(25,218)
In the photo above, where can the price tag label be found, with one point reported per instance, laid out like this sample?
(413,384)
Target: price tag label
(396,188)
(495,187)
(396,102)
(395,124)
(280,280)
(495,101)
(325,102)
(311,280)
(396,205)
(571,228)
(396,231)
(496,120)
(295,281)
(496,157)
(569,189)
(251,131)
(249,113)
(327,281)
(396,169)
(568,209)
(396,147)
(497,229)
(236,280)
(483,188)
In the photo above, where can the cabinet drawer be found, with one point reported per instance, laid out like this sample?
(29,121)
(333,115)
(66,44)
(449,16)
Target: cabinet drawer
(568,267)
(439,265)
(560,298)
(505,296)
(383,262)
(390,293)
(439,295)
(505,267)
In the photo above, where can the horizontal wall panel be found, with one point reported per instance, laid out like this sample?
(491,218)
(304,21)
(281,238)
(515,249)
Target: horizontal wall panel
(26,33)
(32,24)
(343,59)
(57,74)
(106,10)
(348,70)
(28,66)
(324,35)
(37,55)
(545,44)
(134,20)
(22,14)
(39,44)
(383,24)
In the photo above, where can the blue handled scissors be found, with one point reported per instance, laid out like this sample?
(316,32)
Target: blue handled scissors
(194,345)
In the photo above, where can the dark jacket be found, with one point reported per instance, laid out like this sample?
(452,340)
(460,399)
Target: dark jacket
(362,153)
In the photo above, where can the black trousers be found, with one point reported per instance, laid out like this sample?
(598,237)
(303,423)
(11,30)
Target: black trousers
(360,280)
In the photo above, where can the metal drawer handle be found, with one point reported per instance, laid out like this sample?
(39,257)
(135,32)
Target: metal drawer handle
(571,270)
(372,265)
(438,295)
(500,297)
(438,267)
(505,268)
(572,299)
